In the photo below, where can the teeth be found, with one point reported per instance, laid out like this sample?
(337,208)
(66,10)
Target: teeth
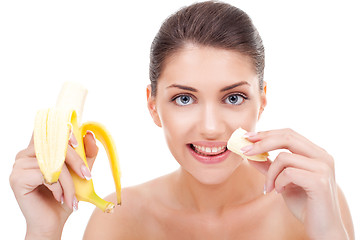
(217,150)
(207,150)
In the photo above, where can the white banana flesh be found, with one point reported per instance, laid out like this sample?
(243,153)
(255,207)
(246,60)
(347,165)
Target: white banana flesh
(237,141)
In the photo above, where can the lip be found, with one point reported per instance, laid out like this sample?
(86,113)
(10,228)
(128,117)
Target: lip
(209,159)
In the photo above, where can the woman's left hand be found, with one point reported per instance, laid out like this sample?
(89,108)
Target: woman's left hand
(305,177)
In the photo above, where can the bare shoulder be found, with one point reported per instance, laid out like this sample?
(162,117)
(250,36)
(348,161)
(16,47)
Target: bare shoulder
(122,222)
(131,219)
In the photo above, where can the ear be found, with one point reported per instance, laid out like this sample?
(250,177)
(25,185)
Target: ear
(263,100)
(151,104)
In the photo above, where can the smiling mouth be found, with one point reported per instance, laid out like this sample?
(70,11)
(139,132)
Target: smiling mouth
(208,151)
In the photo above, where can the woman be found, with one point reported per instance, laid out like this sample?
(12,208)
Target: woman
(206,72)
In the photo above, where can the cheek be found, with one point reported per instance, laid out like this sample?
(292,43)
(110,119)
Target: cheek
(176,123)
(246,119)
(178,127)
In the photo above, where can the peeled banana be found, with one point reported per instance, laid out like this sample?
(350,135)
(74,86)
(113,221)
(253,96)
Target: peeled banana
(237,141)
(52,130)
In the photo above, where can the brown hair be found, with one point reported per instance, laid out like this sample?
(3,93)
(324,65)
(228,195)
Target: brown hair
(209,23)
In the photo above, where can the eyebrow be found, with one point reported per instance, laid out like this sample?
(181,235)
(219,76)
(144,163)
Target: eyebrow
(234,86)
(183,87)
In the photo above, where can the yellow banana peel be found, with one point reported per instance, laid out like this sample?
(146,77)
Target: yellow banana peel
(52,130)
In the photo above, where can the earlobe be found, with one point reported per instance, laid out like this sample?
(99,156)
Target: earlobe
(260,112)
(151,104)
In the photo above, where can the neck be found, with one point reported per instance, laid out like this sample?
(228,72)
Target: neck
(244,185)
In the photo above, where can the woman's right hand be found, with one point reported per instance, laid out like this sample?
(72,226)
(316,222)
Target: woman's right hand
(47,207)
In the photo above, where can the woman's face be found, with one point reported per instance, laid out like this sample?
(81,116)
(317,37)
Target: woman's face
(203,95)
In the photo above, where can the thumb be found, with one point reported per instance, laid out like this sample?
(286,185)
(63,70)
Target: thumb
(262,167)
(91,149)
(31,140)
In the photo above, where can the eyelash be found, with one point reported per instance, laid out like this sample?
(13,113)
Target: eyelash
(242,95)
(173,99)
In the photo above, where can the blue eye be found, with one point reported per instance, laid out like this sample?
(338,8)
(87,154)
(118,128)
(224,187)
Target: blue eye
(183,100)
(235,99)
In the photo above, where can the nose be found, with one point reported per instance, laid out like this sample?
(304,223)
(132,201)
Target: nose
(211,124)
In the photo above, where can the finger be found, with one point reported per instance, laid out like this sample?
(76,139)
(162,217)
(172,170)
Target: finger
(72,140)
(56,190)
(285,160)
(26,176)
(296,176)
(68,187)
(30,177)
(91,149)
(25,181)
(30,150)
(75,162)
(31,140)
(26,163)
(262,167)
(282,139)
(27,152)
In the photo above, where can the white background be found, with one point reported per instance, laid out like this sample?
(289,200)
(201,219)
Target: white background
(312,62)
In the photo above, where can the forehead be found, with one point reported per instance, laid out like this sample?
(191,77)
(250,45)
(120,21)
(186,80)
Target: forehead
(194,65)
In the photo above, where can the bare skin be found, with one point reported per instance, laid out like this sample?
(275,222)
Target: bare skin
(160,214)
(204,94)
(226,200)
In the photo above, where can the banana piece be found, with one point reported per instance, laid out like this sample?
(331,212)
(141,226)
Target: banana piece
(51,136)
(72,96)
(237,141)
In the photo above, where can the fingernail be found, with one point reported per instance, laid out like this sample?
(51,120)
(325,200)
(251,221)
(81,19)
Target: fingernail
(246,148)
(249,134)
(62,199)
(92,134)
(75,204)
(85,172)
(73,141)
